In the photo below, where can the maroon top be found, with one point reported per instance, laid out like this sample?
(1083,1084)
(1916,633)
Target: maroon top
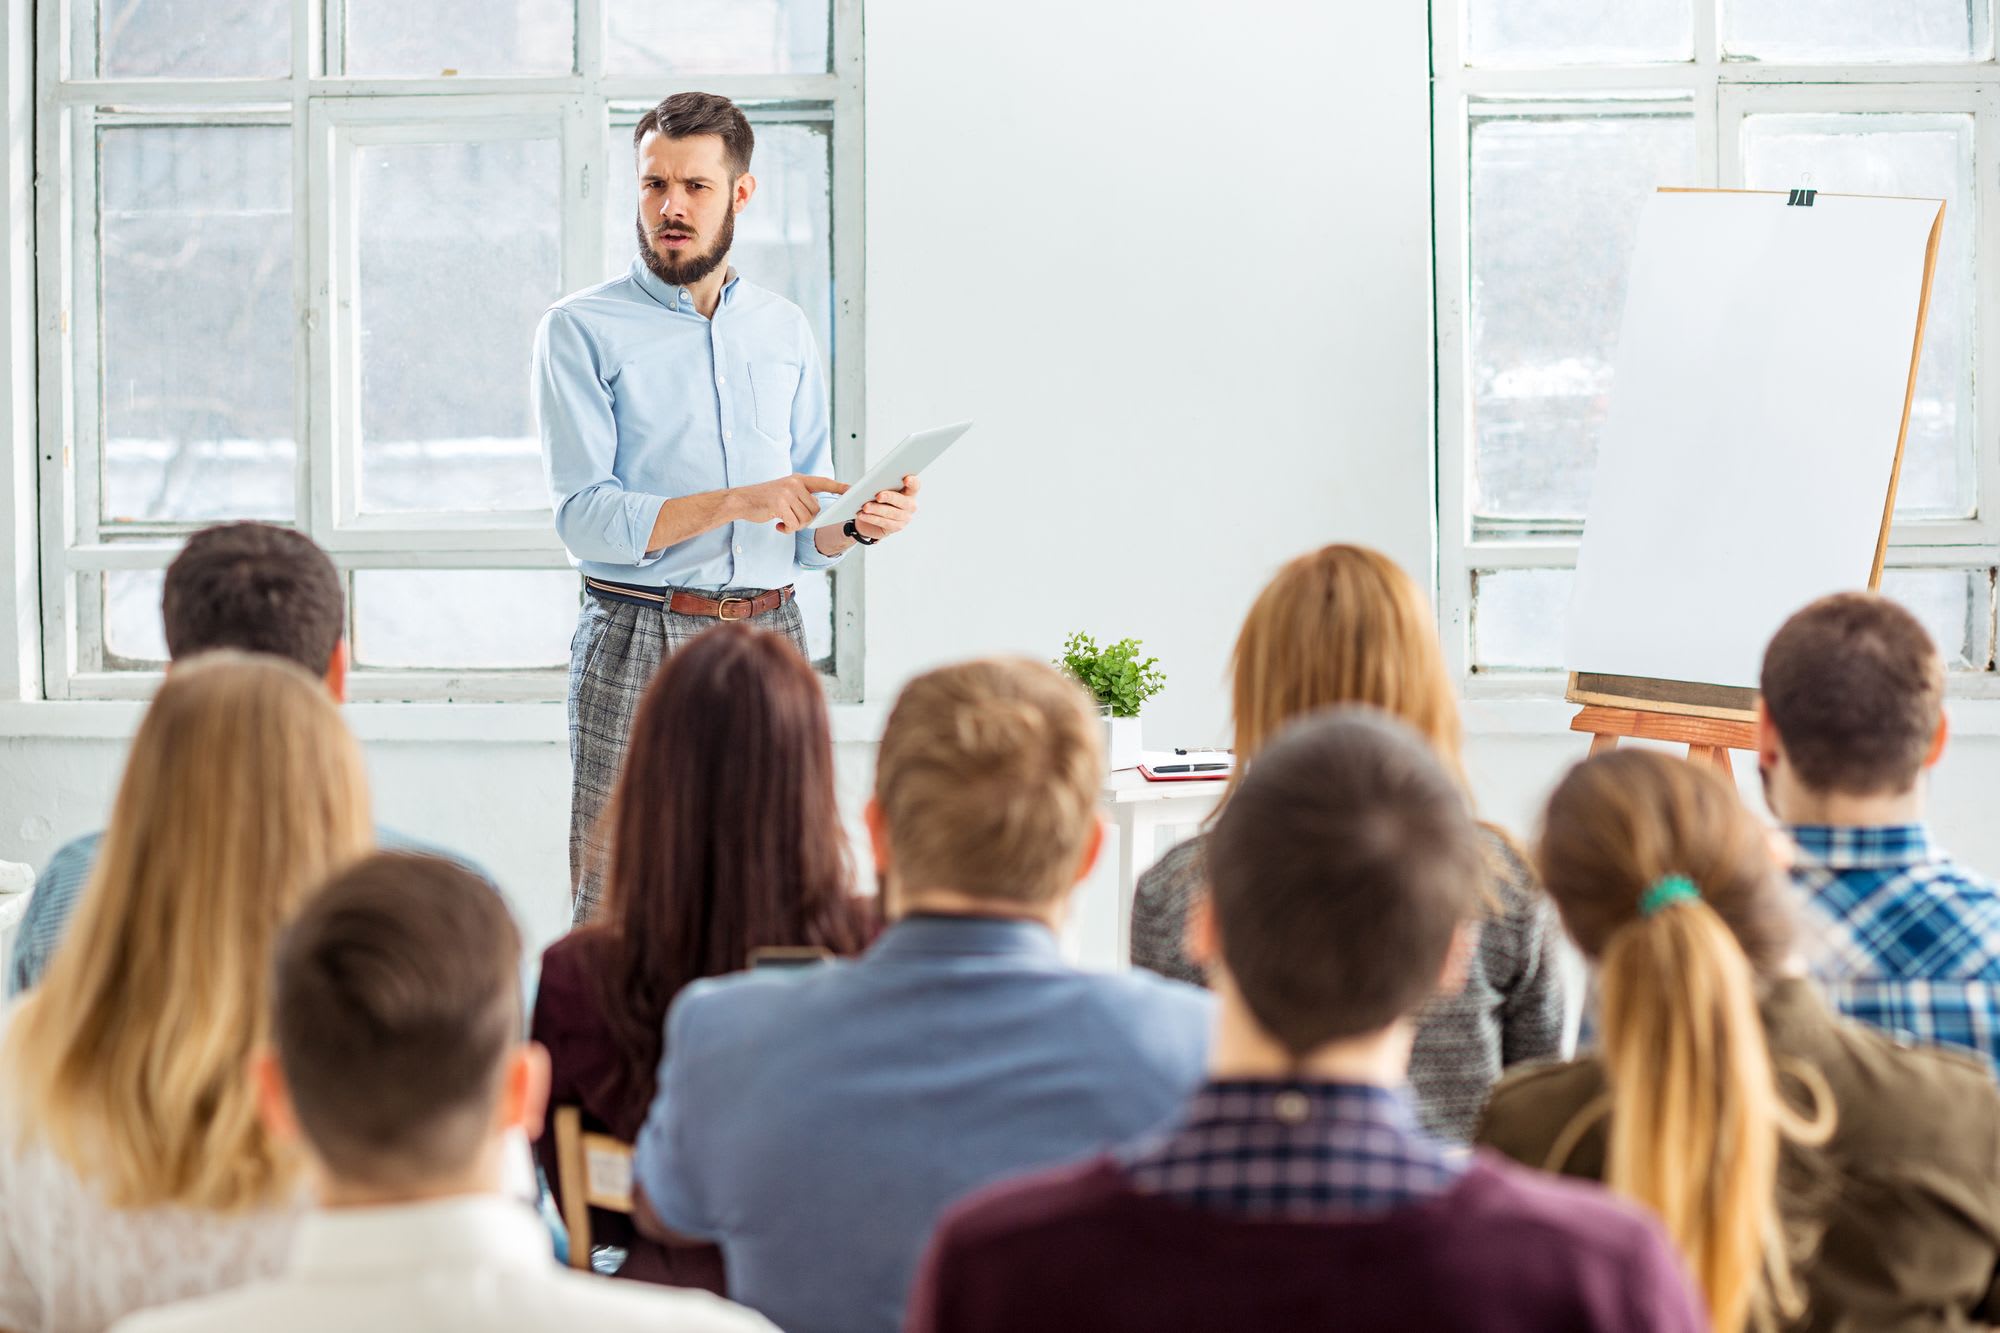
(1505,1249)
(586,1071)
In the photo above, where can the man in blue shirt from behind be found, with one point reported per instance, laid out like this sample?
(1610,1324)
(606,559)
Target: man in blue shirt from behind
(1898,933)
(248,586)
(815,1123)
(687,439)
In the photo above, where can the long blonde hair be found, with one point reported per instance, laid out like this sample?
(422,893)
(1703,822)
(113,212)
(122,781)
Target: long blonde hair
(1696,1113)
(1342,625)
(243,791)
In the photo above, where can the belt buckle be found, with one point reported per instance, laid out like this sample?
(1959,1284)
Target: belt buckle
(722,608)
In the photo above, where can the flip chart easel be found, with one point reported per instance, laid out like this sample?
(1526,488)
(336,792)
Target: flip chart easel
(1712,719)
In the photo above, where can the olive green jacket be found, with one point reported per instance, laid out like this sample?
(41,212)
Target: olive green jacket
(1896,1218)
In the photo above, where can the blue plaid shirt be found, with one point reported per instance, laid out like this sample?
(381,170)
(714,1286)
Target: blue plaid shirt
(1295,1150)
(1899,936)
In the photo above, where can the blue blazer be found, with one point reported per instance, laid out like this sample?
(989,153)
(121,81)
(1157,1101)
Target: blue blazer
(816,1122)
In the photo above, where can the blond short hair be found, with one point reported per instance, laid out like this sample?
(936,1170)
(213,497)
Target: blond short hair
(987,780)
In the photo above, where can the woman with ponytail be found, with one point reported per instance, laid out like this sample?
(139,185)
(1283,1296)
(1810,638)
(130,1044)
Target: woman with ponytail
(1814,1174)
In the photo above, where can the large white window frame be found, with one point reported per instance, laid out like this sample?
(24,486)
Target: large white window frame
(1719,93)
(329,117)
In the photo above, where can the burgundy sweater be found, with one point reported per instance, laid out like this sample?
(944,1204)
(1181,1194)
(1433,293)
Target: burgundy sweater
(1079,1249)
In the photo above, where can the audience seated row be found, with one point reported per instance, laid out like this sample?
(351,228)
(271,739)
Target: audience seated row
(261,1067)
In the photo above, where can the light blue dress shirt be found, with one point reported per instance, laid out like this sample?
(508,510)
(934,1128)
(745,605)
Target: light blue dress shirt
(815,1122)
(641,400)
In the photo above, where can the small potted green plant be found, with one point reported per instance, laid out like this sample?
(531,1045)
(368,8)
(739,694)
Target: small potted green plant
(1121,681)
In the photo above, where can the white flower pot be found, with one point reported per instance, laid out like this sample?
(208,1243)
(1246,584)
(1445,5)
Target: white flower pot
(1122,744)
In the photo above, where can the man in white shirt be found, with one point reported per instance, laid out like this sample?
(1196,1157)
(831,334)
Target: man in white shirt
(400,1071)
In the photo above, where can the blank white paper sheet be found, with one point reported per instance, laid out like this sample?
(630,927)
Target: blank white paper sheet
(1761,372)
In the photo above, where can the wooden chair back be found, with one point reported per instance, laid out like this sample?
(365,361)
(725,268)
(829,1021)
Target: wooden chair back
(596,1172)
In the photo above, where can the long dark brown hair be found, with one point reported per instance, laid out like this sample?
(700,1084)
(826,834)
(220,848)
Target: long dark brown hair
(725,836)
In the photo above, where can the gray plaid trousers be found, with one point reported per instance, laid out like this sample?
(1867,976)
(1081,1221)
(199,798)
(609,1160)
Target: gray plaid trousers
(617,648)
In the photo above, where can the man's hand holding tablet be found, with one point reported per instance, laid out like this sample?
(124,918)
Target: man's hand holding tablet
(885,499)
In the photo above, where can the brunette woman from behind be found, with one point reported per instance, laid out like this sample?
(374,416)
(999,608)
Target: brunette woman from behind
(725,839)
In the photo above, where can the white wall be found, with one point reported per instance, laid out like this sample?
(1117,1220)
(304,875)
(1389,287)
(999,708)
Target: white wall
(1176,267)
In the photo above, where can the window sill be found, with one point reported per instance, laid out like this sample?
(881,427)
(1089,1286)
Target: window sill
(390,723)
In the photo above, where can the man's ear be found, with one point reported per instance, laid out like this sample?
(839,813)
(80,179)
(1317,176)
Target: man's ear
(524,1090)
(1093,847)
(878,834)
(1198,939)
(1937,741)
(336,672)
(746,185)
(1770,750)
(274,1099)
(1458,958)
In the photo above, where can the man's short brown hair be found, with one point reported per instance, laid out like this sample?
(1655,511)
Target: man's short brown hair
(1855,689)
(685,115)
(256,588)
(987,780)
(396,1000)
(1338,871)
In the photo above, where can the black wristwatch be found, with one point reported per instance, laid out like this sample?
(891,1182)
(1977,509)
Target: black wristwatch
(853,533)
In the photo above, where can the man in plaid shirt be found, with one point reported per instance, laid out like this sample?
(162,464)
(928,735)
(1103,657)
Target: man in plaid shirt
(1899,935)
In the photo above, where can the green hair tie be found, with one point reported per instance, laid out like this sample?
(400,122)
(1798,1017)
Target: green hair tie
(1670,890)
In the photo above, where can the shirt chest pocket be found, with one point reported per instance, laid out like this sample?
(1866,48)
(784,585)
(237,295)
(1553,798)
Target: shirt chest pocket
(773,386)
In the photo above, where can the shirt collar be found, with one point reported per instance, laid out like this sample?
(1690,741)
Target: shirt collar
(679,298)
(473,1228)
(1299,1102)
(933,935)
(1881,847)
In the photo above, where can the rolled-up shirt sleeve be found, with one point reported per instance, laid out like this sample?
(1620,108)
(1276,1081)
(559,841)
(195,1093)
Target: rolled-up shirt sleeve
(812,447)
(596,517)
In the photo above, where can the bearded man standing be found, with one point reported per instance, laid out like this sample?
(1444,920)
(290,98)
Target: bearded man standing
(687,440)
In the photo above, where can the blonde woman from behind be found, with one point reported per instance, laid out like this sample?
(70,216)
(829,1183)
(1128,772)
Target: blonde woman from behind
(1345,625)
(133,1167)
(1815,1174)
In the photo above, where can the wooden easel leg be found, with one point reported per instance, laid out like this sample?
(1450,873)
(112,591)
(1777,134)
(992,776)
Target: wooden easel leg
(1602,743)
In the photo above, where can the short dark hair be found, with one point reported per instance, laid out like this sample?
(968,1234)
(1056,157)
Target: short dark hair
(1855,688)
(396,998)
(255,588)
(1338,871)
(685,115)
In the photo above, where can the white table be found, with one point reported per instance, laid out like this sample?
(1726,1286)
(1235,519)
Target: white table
(1140,811)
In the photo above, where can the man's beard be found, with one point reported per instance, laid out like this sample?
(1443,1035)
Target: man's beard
(680,271)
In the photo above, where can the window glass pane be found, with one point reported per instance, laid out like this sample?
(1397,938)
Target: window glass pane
(1955,605)
(717,36)
(464,618)
(458,262)
(1927,155)
(1870,30)
(784,236)
(1518,617)
(195,225)
(194,39)
(133,634)
(396,38)
(1552,32)
(1555,204)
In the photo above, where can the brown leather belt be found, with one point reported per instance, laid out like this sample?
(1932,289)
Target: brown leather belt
(684,603)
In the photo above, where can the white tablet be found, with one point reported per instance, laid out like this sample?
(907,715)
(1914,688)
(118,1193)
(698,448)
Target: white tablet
(912,456)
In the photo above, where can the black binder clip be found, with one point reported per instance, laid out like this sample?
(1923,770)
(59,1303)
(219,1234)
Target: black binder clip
(1802,198)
